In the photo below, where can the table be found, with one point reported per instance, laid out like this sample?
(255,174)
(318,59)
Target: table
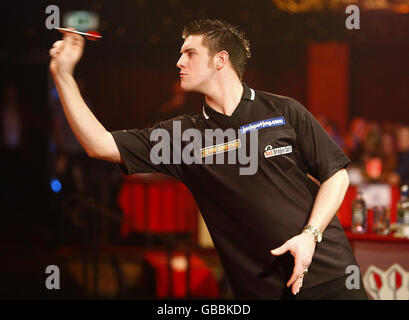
(383,260)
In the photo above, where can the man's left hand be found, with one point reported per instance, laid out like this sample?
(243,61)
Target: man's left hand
(302,248)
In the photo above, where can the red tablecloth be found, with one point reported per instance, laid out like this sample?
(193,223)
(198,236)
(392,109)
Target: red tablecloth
(156,206)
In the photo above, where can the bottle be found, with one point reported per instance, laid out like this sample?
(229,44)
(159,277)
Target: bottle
(381,220)
(403,206)
(359,221)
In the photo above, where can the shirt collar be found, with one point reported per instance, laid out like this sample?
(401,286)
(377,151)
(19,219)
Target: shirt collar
(248,94)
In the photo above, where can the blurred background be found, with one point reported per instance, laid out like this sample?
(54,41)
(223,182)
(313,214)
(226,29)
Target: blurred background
(141,237)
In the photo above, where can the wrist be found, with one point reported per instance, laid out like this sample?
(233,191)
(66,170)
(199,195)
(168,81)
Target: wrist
(60,75)
(309,235)
(314,231)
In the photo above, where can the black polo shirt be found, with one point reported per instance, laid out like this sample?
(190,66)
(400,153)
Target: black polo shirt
(248,215)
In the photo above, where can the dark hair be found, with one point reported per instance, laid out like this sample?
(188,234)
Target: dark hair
(220,35)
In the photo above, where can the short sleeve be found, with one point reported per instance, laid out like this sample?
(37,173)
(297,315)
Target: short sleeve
(135,147)
(321,154)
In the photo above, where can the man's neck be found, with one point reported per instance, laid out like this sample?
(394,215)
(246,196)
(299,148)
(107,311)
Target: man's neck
(224,96)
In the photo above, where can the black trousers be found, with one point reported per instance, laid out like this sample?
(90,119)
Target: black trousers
(331,290)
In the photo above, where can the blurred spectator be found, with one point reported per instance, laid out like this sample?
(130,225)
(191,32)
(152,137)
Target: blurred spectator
(12,126)
(11,119)
(371,144)
(388,154)
(354,139)
(401,174)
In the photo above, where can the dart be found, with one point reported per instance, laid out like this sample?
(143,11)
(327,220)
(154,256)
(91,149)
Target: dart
(90,35)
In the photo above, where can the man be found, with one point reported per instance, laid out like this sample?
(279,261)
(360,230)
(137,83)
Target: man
(247,215)
(401,174)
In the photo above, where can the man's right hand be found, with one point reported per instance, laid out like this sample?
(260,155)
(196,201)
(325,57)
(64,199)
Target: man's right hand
(66,53)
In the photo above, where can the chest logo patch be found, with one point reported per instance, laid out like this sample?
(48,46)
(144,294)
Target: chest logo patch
(270,152)
(223,147)
(266,123)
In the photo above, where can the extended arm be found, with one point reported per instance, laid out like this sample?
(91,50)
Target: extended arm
(97,142)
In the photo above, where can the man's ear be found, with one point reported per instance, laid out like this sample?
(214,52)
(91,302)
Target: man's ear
(221,60)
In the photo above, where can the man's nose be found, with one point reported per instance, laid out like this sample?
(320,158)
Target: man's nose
(180,63)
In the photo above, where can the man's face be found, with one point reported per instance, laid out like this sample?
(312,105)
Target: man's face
(196,67)
(403,139)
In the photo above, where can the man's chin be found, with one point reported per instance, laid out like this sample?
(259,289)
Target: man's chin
(190,88)
(185,87)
